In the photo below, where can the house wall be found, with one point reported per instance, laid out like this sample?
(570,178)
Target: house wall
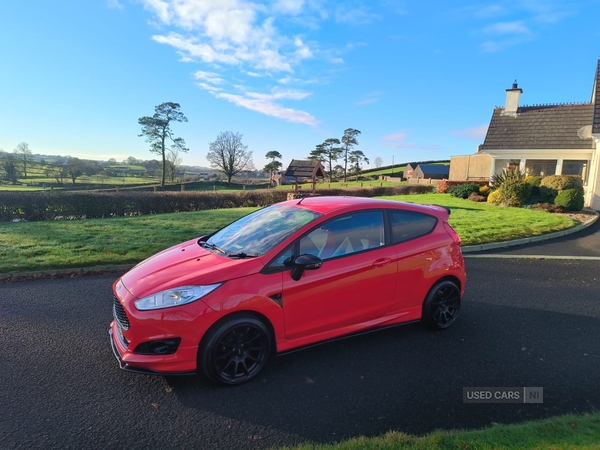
(470,167)
(592,189)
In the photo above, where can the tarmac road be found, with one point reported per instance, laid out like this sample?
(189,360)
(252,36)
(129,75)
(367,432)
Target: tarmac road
(524,323)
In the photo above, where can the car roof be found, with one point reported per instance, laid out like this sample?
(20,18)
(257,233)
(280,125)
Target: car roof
(326,205)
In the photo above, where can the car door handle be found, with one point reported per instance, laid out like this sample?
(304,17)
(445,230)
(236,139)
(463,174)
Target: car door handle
(381,262)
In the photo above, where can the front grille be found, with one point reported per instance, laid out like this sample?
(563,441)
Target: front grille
(120,315)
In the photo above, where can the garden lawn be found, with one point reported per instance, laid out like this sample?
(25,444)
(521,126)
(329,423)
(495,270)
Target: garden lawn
(96,242)
(481,223)
(557,433)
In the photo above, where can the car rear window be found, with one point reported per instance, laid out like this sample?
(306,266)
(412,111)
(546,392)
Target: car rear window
(407,225)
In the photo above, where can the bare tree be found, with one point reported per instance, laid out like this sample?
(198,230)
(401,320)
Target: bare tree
(348,140)
(228,154)
(157,131)
(173,160)
(57,171)
(378,162)
(24,154)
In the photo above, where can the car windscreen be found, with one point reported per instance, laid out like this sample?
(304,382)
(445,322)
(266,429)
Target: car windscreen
(260,231)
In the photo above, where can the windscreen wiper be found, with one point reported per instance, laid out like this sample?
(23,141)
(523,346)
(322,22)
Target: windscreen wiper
(242,255)
(212,247)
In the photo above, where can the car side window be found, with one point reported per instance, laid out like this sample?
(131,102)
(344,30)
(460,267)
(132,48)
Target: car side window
(281,261)
(407,225)
(350,233)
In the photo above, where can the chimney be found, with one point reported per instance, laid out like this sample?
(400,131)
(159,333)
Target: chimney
(512,100)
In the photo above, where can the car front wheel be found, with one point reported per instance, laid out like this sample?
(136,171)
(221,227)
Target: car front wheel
(442,305)
(235,351)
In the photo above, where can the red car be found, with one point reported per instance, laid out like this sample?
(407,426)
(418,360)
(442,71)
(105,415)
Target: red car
(283,277)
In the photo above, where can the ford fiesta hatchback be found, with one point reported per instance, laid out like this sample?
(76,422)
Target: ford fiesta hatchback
(286,276)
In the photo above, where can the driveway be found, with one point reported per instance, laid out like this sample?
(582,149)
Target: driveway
(524,324)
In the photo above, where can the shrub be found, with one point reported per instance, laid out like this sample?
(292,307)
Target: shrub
(562,182)
(464,190)
(514,193)
(535,185)
(444,185)
(547,194)
(475,197)
(494,197)
(571,199)
(34,206)
(498,180)
(484,190)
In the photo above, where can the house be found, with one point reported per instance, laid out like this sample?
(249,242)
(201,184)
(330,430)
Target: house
(302,171)
(434,171)
(540,140)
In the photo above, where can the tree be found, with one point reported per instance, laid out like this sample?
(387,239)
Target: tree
(173,160)
(348,140)
(378,162)
(24,155)
(74,168)
(157,131)
(327,152)
(228,154)
(355,158)
(274,165)
(10,169)
(57,171)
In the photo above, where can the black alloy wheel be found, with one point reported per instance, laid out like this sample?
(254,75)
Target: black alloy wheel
(442,305)
(236,350)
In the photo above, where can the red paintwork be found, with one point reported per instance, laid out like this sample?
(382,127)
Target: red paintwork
(377,287)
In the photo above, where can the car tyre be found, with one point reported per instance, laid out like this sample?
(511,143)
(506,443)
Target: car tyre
(442,305)
(235,350)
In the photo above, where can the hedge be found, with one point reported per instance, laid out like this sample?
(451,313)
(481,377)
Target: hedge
(53,205)
(444,185)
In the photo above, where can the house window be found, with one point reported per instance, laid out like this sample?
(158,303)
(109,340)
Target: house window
(506,164)
(577,168)
(540,167)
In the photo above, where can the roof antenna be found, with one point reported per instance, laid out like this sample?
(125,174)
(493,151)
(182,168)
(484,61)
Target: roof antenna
(300,200)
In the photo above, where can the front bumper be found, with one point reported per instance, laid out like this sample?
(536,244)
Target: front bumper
(137,369)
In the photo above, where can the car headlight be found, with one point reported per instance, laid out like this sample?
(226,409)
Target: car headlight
(174,297)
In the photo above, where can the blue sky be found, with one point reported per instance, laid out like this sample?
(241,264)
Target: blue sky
(418,79)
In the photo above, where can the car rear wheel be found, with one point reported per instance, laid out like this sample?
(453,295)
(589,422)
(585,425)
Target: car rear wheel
(442,305)
(235,351)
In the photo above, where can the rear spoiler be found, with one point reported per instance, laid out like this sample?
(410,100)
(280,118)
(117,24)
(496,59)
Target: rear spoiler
(444,207)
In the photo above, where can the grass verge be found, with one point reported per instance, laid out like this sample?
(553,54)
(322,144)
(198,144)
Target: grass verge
(96,242)
(557,433)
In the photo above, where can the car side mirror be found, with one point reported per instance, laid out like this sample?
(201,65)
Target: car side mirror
(305,262)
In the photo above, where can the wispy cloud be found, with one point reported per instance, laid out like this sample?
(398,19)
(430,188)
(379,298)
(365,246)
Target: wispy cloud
(355,15)
(531,20)
(243,36)
(370,98)
(398,140)
(114,4)
(475,133)
(517,27)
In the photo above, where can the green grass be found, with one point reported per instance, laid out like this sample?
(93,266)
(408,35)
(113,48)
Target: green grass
(557,433)
(83,243)
(481,223)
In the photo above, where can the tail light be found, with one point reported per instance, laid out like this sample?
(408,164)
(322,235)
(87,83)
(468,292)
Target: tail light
(452,233)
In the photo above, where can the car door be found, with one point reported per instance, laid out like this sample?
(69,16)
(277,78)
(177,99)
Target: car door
(355,284)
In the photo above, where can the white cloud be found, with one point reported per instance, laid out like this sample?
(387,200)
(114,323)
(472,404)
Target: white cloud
(517,27)
(475,133)
(114,4)
(398,140)
(354,16)
(370,98)
(210,77)
(395,137)
(265,104)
